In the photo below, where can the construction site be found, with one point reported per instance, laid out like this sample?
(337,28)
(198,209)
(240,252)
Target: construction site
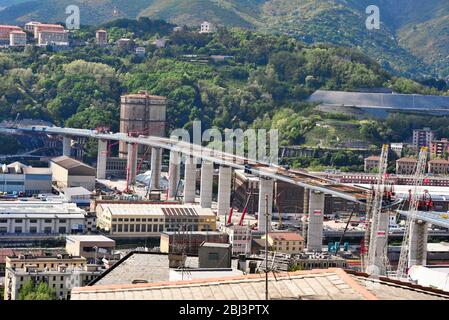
(275,215)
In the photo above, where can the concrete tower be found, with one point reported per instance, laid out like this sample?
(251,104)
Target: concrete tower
(142,114)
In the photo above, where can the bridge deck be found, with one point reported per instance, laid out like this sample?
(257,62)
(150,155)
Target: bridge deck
(296,177)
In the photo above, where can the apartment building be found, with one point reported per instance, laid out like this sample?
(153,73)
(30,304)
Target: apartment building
(61,273)
(101,37)
(48,37)
(406,166)
(128,219)
(240,237)
(371,163)
(5,31)
(422,137)
(285,242)
(206,27)
(17,39)
(439,148)
(438,166)
(40,218)
(91,247)
(44,27)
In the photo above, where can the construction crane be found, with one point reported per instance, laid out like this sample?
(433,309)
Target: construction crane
(414,203)
(375,221)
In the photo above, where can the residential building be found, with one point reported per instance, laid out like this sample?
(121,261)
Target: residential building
(371,163)
(40,218)
(240,237)
(91,247)
(206,27)
(43,27)
(439,148)
(140,51)
(215,255)
(56,37)
(438,166)
(60,273)
(397,148)
(406,166)
(17,39)
(285,242)
(79,195)
(17,177)
(101,37)
(31,25)
(68,173)
(189,242)
(130,219)
(5,31)
(423,137)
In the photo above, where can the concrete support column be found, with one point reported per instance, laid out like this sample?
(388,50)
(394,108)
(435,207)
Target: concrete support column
(102,159)
(132,163)
(189,180)
(207,178)
(265,188)
(66,146)
(224,190)
(316,218)
(156,164)
(173,174)
(381,244)
(305,211)
(418,244)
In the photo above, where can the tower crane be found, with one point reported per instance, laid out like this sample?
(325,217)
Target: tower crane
(414,202)
(375,220)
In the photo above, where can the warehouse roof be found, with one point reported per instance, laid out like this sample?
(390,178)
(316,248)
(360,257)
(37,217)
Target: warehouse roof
(74,167)
(170,210)
(323,284)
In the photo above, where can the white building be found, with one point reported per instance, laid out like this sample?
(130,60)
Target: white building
(240,237)
(397,148)
(206,27)
(17,177)
(431,276)
(53,37)
(31,25)
(17,39)
(79,195)
(40,218)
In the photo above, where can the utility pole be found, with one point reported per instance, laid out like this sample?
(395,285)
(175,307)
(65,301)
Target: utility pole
(266,246)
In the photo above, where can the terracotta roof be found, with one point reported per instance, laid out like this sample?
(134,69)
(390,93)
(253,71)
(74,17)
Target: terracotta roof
(286,236)
(374,158)
(323,284)
(439,161)
(405,159)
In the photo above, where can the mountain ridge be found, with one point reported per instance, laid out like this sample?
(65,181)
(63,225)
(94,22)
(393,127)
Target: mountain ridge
(413,40)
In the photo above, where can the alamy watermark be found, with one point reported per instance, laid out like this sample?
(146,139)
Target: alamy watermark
(73,21)
(373,20)
(236,146)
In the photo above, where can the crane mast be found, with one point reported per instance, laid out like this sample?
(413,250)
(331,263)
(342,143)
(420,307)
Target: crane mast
(413,210)
(374,258)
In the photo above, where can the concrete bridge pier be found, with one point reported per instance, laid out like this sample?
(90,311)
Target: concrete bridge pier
(418,243)
(132,163)
(265,188)
(316,219)
(224,190)
(173,174)
(190,180)
(207,179)
(66,146)
(102,158)
(156,165)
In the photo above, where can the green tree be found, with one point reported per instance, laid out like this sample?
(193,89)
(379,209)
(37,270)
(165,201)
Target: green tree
(31,291)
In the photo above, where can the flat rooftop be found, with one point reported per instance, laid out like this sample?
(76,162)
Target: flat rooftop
(89,238)
(174,210)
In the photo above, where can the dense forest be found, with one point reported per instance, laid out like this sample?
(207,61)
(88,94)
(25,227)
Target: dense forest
(263,83)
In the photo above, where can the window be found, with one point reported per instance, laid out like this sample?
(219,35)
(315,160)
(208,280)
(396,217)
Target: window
(33,221)
(47,230)
(3,220)
(47,221)
(125,228)
(33,230)
(120,228)
(131,228)
(62,230)
(18,230)
(18,221)
(62,221)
